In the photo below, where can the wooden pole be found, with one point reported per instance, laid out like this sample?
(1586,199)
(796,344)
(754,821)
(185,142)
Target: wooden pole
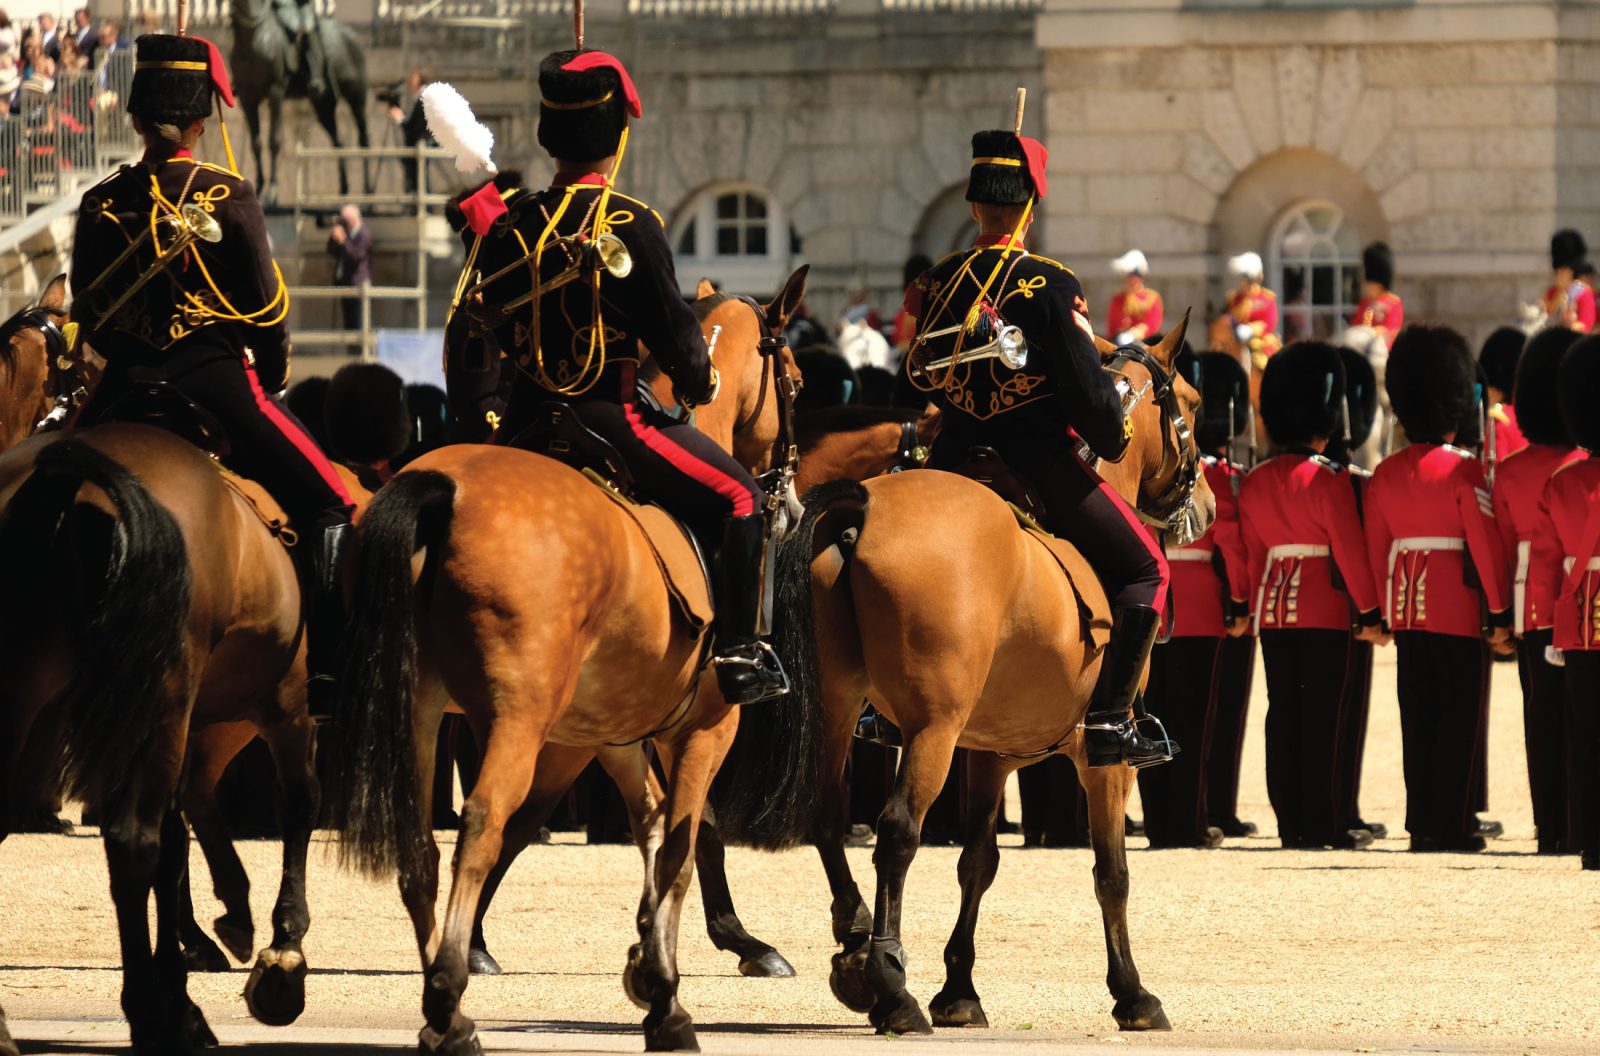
(183,18)
(1022,101)
(577,23)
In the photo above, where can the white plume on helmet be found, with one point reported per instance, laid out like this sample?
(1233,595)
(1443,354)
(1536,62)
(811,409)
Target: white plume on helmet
(1247,264)
(451,121)
(1131,263)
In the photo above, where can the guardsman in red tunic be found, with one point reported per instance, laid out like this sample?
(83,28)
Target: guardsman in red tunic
(1518,486)
(1136,312)
(1254,309)
(1379,308)
(1498,358)
(1568,302)
(1430,528)
(1209,581)
(1564,578)
(1309,567)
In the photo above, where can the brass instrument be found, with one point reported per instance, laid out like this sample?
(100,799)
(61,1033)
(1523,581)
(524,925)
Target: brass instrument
(608,253)
(1008,346)
(193,224)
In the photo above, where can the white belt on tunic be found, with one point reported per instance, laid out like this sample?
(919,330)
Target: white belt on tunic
(1414,544)
(1185,553)
(1519,586)
(1280,553)
(1593,564)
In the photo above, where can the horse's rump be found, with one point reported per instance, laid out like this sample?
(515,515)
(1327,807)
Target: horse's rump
(683,566)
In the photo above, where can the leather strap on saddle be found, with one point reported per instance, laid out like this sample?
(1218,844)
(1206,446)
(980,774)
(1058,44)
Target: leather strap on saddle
(557,432)
(683,566)
(984,465)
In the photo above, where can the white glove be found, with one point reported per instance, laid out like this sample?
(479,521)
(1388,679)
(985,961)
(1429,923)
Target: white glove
(1126,338)
(1245,333)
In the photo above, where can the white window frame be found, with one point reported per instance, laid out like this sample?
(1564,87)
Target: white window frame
(756,275)
(1315,254)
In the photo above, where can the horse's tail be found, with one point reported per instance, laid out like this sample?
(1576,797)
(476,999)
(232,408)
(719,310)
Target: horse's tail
(769,797)
(125,605)
(377,802)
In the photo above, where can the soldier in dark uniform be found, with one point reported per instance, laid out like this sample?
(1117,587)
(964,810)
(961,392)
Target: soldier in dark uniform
(211,323)
(579,344)
(1028,415)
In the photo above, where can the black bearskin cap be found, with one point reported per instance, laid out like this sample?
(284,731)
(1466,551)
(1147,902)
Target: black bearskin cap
(584,133)
(1377,263)
(999,184)
(1499,358)
(1302,394)
(1223,387)
(1432,382)
(366,414)
(166,96)
(306,401)
(1360,405)
(1567,249)
(1469,431)
(1579,385)
(915,266)
(1538,402)
(830,379)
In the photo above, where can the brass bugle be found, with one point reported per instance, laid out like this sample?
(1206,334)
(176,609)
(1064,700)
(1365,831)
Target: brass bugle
(608,252)
(194,224)
(1008,346)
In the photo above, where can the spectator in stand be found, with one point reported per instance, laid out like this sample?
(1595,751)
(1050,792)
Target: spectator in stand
(72,59)
(8,36)
(10,82)
(50,36)
(413,123)
(350,246)
(83,32)
(42,77)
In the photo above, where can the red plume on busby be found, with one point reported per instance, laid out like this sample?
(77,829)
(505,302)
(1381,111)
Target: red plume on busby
(1538,400)
(1007,169)
(1432,382)
(1377,264)
(1567,249)
(176,79)
(586,98)
(1579,384)
(1302,393)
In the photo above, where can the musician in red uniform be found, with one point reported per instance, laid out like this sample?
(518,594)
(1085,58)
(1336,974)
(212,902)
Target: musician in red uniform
(1498,360)
(1136,310)
(1209,579)
(1519,484)
(1568,302)
(1430,526)
(1564,579)
(1303,537)
(1379,307)
(1254,309)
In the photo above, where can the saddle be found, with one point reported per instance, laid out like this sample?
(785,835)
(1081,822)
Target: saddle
(162,405)
(984,465)
(558,433)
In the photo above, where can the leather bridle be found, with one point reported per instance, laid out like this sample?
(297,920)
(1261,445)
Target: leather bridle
(1173,510)
(65,379)
(775,375)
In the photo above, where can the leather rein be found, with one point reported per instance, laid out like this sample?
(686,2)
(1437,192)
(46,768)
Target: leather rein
(774,374)
(1173,510)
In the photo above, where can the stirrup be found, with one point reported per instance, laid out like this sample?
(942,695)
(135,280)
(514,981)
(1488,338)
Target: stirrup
(765,664)
(1127,731)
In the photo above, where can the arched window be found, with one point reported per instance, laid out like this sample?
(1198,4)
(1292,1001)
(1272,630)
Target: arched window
(736,235)
(1314,264)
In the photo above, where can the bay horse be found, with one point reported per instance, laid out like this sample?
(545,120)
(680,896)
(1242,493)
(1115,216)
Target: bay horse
(539,610)
(25,348)
(920,592)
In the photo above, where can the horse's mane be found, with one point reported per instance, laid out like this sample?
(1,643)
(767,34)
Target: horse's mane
(706,305)
(8,330)
(811,427)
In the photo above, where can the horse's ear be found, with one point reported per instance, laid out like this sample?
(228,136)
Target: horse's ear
(1167,349)
(783,306)
(704,289)
(54,296)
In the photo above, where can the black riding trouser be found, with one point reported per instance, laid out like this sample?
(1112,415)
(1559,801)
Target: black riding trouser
(1305,689)
(1236,665)
(1439,680)
(1583,717)
(1544,731)
(1174,795)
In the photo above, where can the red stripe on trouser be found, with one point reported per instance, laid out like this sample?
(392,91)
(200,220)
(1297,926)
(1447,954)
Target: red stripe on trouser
(701,472)
(1137,527)
(302,443)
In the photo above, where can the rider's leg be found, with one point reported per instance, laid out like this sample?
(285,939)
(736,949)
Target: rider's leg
(1083,509)
(316,61)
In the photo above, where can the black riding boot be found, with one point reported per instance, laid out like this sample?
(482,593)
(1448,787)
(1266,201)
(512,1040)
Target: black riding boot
(748,671)
(1111,735)
(325,619)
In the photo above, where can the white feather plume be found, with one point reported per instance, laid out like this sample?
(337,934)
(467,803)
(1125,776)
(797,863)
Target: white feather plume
(451,121)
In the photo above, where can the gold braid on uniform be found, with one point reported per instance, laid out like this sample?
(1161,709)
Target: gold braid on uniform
(270,314)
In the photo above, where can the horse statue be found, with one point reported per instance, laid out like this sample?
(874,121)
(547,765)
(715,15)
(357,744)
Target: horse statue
(264,70)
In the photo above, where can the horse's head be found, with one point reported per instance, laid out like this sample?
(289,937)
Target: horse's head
(29,341)
(1160,471)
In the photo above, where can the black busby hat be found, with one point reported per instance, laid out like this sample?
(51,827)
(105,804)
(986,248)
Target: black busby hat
(366,414)
(1302,393)
(1224,400)
(1377,263)
(1579,385)
(1432,382)
(1007,169)
(176,78)
(585,99)
(1360,396)
(1498,358)
(1567,249)
(1538,403)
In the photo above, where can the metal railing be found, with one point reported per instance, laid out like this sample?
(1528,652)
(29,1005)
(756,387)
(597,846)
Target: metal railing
(202,13)
(728,8)
(63,133)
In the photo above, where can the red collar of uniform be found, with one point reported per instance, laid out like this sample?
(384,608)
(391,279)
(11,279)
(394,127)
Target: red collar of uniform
(184,153)
(998,241)
(587,179)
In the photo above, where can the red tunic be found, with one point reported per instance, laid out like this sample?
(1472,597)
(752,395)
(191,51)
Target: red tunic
(1518,485)
(1299,520)
(1386,314)
(1569,530)
(1196,588)
(1428,507)
(1139,312)
(1508,438)
(1572,307)
(1259,308)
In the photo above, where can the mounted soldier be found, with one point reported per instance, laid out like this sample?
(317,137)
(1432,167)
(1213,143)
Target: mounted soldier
(1568,302)
(175,285)
(1254,311)
(1380,307)
(1031,407)
(595,277)
(1136,312)
(306,57)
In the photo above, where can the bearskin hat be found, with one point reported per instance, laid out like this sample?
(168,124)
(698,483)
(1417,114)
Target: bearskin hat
(175,79)
(1377,263)
(1499,356)
(1360,398)
(1224,400)
(1567,249)
(1579,384)
(1538,403)
(1469,431)
(581,112)
(306,401)
(1007,169)
(1432,382)
(366,414)
(1302,394)
(830,379)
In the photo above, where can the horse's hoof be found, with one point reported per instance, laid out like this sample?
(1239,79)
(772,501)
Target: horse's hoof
(196,1031)
(899,1014)
(769,965)
(1142,1013)
(460,1040)
(480,963)
(276,992)
(239,937)
(206,956)
(957,1012)
(848,981)
(630,973)
(675,1033)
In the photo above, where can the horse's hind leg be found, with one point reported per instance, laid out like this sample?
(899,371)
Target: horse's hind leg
(727,931)
(851,917)
(1108,787)
(171,868)
(957,1004)
(276,990)
(210,750)
(327,108)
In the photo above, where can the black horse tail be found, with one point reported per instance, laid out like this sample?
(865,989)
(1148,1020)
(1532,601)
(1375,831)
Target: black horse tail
(124,606)
(769,797)
(377,799)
